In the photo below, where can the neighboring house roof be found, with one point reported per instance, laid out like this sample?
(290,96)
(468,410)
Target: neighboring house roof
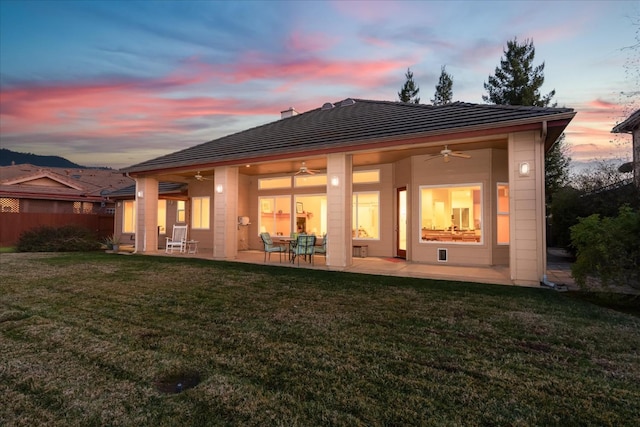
(351,124)
(629,125)
(164,188)
(29,181)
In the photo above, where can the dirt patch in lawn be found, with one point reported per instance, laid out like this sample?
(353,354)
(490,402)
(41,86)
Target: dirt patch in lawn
(177,382)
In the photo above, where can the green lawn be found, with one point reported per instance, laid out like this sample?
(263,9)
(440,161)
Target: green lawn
(101,339)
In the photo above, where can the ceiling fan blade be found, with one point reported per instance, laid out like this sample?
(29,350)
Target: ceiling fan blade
(459,154)
(433,156)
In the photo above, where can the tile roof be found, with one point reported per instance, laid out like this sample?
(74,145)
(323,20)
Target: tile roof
(74,183)
(348,124)
(163,188)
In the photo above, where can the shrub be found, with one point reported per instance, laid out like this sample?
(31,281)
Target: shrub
(608,248)
(68,238)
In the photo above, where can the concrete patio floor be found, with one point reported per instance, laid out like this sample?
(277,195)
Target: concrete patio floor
(558,272)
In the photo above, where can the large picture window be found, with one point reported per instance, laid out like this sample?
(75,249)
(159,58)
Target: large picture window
(275,215)
(271,183)
(200,213)
(310,180)
(451,213)
(311,214)
(503,214)
(366,215)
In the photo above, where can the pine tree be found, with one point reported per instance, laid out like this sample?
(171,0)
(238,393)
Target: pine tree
(516,81)
(556,168)
(444,88)
(409,92)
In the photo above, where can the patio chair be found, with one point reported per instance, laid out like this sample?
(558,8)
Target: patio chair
(270,247)
(305,246)
(322,249)
(178,239)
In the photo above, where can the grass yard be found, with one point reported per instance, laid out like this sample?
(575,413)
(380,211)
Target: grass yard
(99,339)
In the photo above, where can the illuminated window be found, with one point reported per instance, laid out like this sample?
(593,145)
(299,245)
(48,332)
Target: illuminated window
(162,216)
(310,180)
(366,215)
(200,208)
(275,215)
(451,214)
(270,183)
(503,214)
(128,216)
(311,214)
(365,177)
(181,211)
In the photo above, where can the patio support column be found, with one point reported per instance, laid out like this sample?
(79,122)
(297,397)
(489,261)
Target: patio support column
(146,221)
(527,247)
(225,213)
(339,204)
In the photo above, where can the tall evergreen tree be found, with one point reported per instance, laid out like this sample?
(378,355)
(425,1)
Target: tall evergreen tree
(444,88)
(409,91)
(517,81)
(556,168)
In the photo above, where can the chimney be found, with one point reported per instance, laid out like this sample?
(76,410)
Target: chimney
(288,113)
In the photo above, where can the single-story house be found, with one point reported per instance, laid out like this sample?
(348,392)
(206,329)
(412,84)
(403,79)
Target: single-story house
(632,125)
(461,184)
(34,195)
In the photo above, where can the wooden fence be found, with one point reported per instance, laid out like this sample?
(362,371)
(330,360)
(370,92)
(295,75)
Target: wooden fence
(13,224)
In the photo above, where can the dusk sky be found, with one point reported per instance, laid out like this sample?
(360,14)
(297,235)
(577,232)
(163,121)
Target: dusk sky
(114,83)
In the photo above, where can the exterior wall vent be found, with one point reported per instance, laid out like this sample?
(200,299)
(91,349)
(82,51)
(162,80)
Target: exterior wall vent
(347,102)
(443,255)
(327,106)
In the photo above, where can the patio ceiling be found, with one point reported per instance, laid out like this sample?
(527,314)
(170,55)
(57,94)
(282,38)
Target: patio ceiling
(360,158)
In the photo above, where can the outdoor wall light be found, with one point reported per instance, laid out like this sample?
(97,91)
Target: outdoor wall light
(140,194)
(219,188)
(335,181)
(524,169)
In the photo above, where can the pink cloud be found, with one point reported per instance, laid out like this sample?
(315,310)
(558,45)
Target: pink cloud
(108,109)
(299,41)
(589,134)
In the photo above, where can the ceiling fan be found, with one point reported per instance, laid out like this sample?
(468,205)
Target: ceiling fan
(304,170)
(446,154)
(199,177)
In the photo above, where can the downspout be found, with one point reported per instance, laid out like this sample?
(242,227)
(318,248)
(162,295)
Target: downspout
(545,280)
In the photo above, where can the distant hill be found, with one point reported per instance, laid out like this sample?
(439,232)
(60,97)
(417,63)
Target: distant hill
(8,157)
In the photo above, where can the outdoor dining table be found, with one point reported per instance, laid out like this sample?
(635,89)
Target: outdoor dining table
(289,242)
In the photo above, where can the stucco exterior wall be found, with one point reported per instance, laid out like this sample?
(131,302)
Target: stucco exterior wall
(146,215)
(527,249)
(476,170)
